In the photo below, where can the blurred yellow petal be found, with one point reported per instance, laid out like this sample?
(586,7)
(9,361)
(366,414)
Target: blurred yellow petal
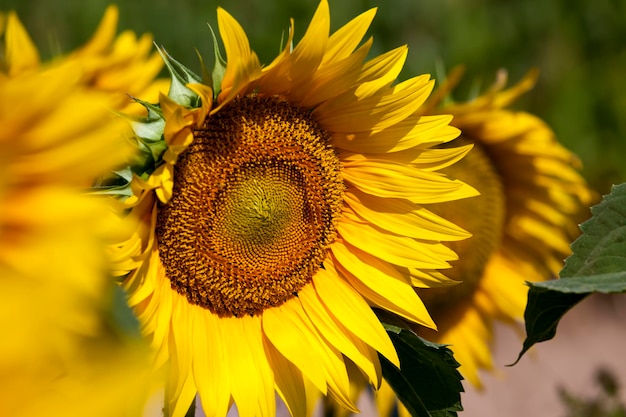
(21,53)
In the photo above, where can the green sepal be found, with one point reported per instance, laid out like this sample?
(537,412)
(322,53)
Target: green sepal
(115,183)
(149,130)
(150,146)
(428,382)
(206,76)
(219,67)
(597,265)
(181,76)
(154,115)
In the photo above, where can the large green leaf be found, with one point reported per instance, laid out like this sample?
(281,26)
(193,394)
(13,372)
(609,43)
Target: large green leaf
(597,265)
(428,383)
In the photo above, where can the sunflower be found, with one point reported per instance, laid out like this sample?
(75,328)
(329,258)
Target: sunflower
(61,352)
(532,199)
(123,65)
(283,203)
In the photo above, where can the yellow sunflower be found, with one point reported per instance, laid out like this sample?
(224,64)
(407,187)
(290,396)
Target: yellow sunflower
(122,65)
(285,202)
(61,352)
(532,199)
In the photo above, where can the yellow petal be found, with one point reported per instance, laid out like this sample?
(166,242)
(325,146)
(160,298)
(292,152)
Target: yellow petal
(291,333)
(242,63)
(371,278)
(402,217)
(252,380)
(429,278)
(396,249)
(435,159)
(510,294)
(103,37)
(381,71)
(163,314)
(409,133)
(394,180)
(206,97)
(309,52)
(331,80)
(469,336)
(182,401)
(376,112)
(346,39)
(289,381)
(344,303)
(333,332)
(181,388)
(420,158)
(528,229)
(21,53)
(210,369)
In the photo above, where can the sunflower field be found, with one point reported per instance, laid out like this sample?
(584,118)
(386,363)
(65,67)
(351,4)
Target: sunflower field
(257,208)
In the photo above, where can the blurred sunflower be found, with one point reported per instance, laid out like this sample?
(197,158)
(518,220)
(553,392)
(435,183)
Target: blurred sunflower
(121,65)
(61,352)
(281,203)
(532,200)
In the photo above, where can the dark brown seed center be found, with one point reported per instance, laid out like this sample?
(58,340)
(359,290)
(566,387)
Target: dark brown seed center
(256,200)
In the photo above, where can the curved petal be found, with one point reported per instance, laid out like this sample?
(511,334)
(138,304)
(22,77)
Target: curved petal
(180,383)
(252,379)
(402,217)
(291,332)
(381,71)
(308,53)
(297,66)
(289,381)
(243,65)
(331,80)
(394,180)
(21,53)
(351,112)
(370,277)
(333,332)
(105,33)
(408,134)
(345,40)
(345,303)
(396,249)
(210,366)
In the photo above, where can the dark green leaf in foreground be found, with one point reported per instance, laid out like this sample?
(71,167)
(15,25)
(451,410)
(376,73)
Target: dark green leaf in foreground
(597,265)
(428,383)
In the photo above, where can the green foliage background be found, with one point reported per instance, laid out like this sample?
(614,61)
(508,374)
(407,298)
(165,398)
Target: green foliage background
(579,46)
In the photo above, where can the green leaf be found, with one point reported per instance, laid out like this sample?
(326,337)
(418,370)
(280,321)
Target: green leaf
(608,283)
(428,383)
(597,265)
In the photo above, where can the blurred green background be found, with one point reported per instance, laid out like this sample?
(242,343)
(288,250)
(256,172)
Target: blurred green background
(579,46)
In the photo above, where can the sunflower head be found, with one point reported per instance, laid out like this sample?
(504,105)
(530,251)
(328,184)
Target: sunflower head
(532,199)
(261,183)
(277,205)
